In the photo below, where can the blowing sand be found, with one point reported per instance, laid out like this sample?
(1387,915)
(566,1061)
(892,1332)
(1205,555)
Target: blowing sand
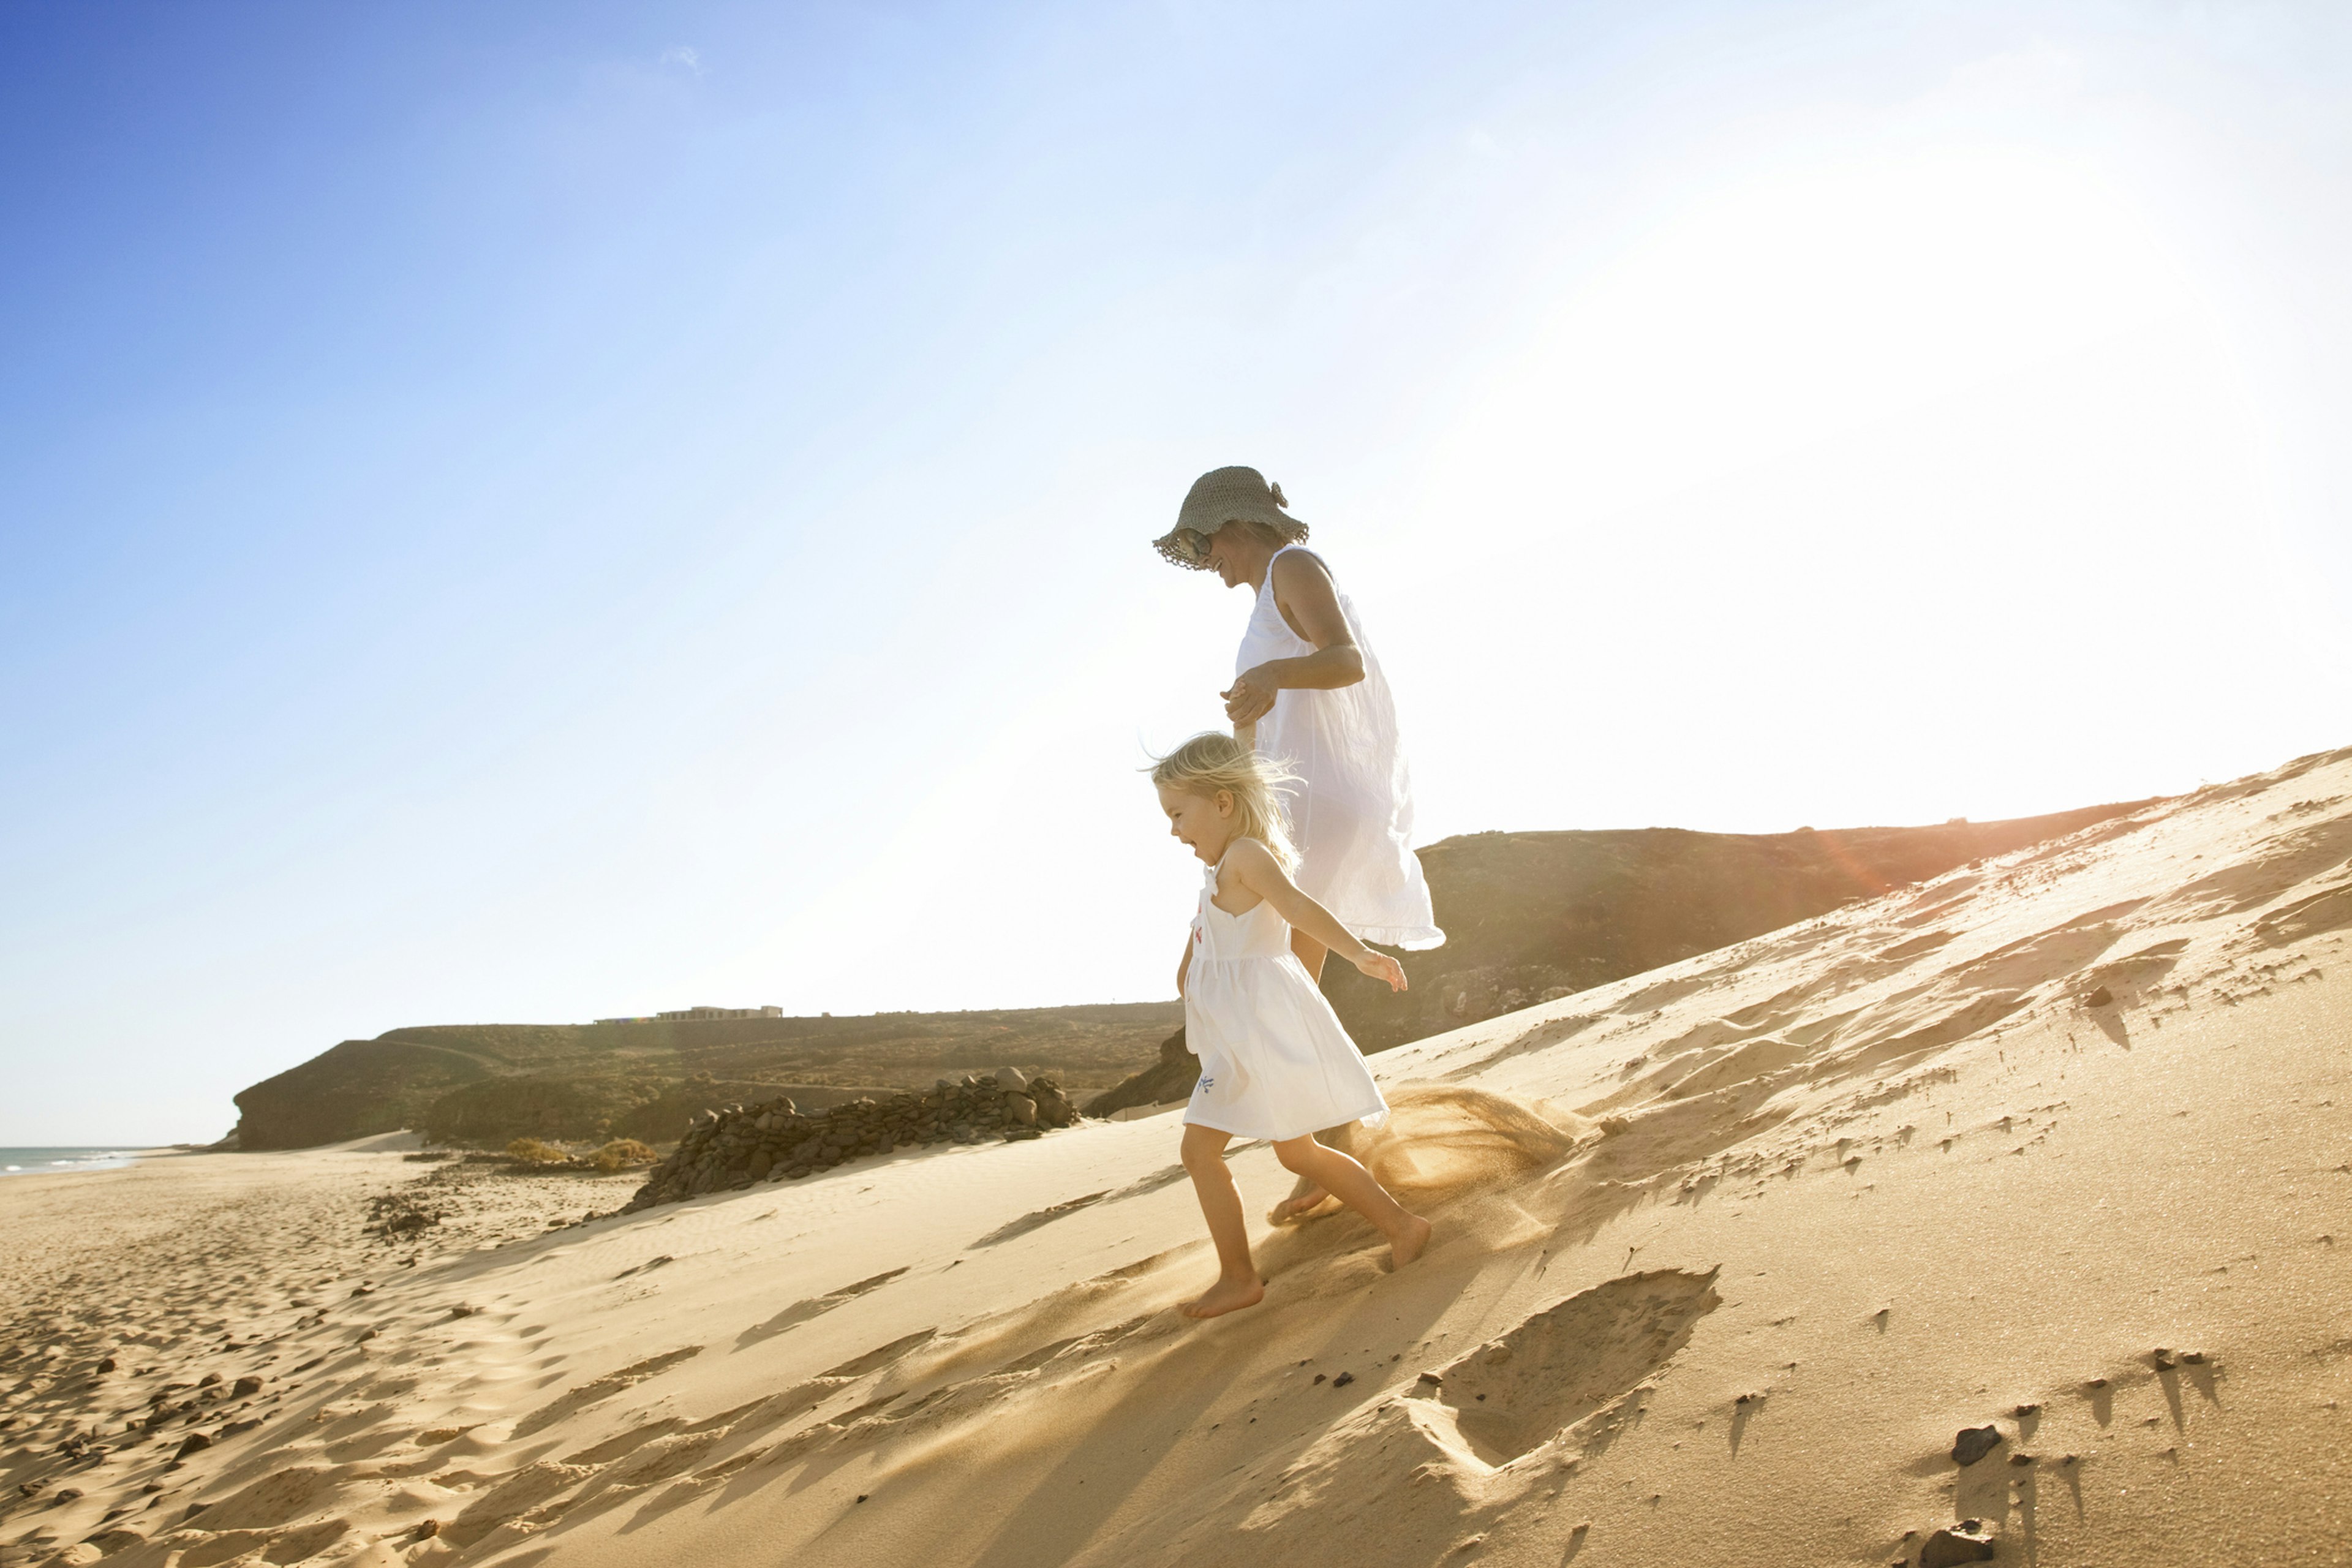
(1729,1257)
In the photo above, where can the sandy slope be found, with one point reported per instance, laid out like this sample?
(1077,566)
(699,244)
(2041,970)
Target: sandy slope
(1796,1214)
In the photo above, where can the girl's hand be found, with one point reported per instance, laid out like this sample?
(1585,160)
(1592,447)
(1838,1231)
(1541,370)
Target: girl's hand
(1251,696)
(1380,966)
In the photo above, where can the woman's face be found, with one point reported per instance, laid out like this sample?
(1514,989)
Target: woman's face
(1236,556)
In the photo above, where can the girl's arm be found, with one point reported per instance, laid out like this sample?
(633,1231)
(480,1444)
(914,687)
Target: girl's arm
(1184,964)
(1255,864)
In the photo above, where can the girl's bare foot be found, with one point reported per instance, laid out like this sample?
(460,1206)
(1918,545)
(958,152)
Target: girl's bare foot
(1231,1296)
(1405,1242)
(1297,1206)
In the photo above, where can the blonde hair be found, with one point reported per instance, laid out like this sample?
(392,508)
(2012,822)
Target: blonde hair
(1215,761)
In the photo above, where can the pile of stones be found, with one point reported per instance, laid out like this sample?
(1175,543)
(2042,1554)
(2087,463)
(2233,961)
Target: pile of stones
(772,1142)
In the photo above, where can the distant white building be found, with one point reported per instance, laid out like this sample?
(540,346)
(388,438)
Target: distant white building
(685,1012)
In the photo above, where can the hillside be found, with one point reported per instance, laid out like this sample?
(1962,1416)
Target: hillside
(1528,917)
(488,1083)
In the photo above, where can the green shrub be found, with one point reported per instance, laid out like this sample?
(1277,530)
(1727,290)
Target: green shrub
(532,1152)
(622,1154)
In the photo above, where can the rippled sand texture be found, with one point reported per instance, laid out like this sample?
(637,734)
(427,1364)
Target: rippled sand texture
(1729,1258)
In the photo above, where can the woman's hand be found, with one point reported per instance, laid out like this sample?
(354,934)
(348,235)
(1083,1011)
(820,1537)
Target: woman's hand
(1251,696)
(1380,966)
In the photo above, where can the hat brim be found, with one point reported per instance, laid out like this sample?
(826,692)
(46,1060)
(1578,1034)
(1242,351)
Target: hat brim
(1185,547)
(1189,547)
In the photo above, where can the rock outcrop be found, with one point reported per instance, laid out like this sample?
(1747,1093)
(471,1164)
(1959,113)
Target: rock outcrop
(1167,1081)
(773,1142)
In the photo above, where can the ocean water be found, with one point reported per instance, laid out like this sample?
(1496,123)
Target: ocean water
(40,1162)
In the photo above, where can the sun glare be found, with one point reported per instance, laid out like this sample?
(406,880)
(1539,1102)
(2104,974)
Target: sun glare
(1806,302)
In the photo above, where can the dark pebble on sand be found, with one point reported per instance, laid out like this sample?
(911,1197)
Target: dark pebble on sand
(1974,1443)
(1343,1380)
(246,1388)
(1967,1542)
(1318,1377)
(194,1442)
(2100,998)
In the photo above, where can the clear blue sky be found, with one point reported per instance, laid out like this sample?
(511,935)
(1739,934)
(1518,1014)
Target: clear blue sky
(532,511)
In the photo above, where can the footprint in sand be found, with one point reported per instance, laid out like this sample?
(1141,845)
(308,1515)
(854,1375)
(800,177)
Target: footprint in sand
(1560,1365)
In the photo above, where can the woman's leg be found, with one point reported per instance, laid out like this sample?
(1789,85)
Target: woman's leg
(1237,1283)
(1306,1194)
(1355,1186)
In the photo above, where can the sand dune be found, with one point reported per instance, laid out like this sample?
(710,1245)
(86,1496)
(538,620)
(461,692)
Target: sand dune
(2045,1165)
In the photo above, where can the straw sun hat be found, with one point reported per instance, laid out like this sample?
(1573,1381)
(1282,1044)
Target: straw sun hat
(1217,497)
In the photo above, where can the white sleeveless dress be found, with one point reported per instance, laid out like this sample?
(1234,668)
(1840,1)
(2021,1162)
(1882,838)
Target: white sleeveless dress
(1274,1061)
(1352,818)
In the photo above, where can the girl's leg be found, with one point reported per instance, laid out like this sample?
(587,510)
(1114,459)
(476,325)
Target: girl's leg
(1355,1186)
(1237,1283)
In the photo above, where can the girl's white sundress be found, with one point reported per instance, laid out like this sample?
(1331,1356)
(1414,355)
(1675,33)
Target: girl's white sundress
(1274,1061)
(1352,816)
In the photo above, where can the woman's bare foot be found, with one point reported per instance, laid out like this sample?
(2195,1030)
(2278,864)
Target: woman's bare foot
(1406,1242)
(1231,1296)
(1297,1206)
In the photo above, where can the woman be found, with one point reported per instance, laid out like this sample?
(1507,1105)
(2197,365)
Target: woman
(1309,683)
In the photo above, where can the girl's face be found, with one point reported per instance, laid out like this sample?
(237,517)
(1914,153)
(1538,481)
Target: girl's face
(1206,826)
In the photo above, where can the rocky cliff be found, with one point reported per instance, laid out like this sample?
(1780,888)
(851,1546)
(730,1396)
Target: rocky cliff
(485,1085)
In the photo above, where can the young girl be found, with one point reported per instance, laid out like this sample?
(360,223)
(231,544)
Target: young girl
(1274,1062)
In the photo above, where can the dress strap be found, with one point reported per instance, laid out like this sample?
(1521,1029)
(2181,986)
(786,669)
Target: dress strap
(1218,870)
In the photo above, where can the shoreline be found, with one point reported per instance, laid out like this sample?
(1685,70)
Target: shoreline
(92,1159)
